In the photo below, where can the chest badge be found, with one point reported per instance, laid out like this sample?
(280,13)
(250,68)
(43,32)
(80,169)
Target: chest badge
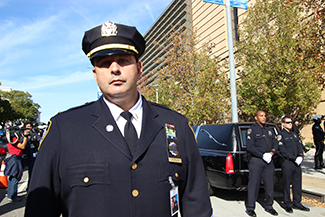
(171,140)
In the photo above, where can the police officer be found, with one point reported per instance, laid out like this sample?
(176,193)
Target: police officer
(291,149)
(31,147)
(295,129)
(318,135)
(120,155)
(261,146)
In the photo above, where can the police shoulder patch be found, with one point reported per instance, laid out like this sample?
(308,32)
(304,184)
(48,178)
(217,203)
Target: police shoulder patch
(249,131)
(47,131)
(279,137)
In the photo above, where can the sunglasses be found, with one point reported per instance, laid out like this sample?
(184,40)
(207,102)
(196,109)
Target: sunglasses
(289,122)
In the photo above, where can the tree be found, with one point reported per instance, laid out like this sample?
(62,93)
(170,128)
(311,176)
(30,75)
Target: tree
(281,67)
(6,112)
(190,81)
(22,105)
(315,34)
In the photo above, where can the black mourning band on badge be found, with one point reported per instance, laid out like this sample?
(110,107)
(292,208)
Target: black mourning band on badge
(171,139)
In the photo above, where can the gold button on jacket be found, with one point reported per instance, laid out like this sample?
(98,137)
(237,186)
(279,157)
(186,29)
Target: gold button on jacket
(135,193)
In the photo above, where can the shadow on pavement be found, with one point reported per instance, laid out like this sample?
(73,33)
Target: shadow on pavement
(8,207)
(230,195)
(234,195)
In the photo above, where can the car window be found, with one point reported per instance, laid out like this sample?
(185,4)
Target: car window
(217,137)
(243,135)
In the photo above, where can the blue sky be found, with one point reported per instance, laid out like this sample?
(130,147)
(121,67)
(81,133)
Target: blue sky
(40,44)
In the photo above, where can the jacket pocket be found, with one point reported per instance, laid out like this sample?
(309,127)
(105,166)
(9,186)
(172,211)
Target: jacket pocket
(85,175)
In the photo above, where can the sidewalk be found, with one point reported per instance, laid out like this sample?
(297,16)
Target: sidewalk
(312,180)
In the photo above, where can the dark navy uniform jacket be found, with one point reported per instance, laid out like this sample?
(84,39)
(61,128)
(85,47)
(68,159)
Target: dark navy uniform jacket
(256,144)
(318,133)
(288,141)
(82,169)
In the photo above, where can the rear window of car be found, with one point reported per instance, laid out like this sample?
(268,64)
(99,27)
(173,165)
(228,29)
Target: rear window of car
(243,135)
(217,137)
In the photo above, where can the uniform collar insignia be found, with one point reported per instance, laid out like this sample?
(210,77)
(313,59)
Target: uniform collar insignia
(109,29)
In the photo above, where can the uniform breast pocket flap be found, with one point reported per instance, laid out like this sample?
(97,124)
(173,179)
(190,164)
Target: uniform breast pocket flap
(84,175)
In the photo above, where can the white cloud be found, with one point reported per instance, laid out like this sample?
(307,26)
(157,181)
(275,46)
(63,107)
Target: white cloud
(150,12)
(28,34)
(46,81)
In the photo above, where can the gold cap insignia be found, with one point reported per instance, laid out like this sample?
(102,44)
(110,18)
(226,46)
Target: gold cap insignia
(109,29)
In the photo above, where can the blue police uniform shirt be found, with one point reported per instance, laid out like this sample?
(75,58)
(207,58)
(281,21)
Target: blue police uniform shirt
(287,142)
(318,132)
(256,143)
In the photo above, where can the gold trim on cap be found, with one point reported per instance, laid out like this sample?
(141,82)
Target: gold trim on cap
(112,46)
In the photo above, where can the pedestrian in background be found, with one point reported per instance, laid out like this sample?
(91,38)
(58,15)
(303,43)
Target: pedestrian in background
(120,156)
(295,129)
(290,146)
(14,169)
(31,147)
(261,146)
(318,134)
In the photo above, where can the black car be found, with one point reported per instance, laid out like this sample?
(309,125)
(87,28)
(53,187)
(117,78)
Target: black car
(223,151)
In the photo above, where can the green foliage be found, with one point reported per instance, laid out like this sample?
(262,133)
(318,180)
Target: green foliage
(280,62)
(18,105)
(190,81)
(309,145)
(6,112)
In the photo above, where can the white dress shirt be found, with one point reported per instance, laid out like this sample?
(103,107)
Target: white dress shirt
(136,112)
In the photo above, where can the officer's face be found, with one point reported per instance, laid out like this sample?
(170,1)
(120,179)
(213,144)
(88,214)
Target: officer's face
(117,77)
(287,124)
(260,118)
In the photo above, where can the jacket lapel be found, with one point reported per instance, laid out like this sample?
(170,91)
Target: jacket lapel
(150,128)
(106,126)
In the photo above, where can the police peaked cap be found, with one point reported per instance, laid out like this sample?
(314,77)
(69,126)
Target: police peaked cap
(112,38)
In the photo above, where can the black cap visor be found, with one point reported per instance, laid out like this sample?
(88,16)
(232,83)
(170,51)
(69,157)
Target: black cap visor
(110,52)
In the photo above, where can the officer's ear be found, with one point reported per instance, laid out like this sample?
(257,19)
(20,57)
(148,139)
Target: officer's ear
(255,118)
(139,68)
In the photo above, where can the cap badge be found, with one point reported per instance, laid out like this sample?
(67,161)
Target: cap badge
(109,29)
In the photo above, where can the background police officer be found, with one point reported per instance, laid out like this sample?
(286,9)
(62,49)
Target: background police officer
(120,156)
(261,146)
(318,135)
(290,147)
(295,129)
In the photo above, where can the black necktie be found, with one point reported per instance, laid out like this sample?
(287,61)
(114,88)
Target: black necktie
(293,145)
(130,134)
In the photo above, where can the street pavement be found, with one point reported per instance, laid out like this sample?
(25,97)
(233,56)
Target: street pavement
(224,202)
